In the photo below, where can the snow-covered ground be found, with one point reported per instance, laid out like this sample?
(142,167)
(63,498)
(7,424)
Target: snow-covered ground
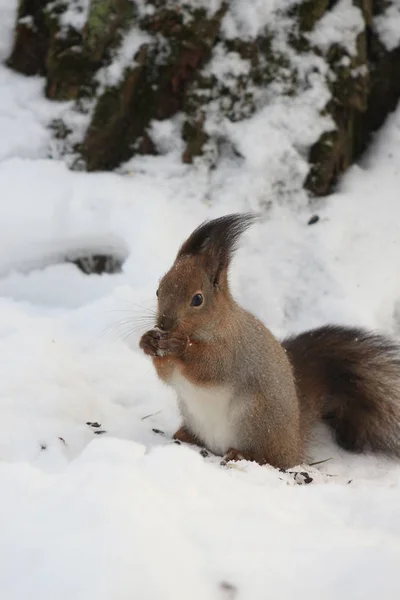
(96,500)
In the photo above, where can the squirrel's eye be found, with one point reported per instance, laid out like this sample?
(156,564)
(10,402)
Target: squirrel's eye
(197,300)
(157,293)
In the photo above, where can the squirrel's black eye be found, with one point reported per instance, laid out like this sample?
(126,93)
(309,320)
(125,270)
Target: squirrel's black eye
(157,293)
(197,300)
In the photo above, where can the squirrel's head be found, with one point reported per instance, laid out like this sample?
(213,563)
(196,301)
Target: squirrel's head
(193,295)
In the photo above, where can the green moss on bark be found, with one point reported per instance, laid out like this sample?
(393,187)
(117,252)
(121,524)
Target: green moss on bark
(105,20)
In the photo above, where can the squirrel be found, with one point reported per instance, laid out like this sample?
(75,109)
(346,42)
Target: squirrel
(242,394)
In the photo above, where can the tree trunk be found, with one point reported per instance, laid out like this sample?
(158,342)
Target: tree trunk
(74,43)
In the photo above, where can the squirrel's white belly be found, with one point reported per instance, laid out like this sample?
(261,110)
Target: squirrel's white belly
(207,411)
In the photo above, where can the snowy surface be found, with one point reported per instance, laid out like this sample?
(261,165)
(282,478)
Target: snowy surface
(127,513)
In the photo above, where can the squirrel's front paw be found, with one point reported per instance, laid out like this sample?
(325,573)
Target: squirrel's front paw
(172,344)
(149,342)
(162,343)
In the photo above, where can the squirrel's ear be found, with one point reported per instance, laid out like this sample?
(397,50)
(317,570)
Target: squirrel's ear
(216,241)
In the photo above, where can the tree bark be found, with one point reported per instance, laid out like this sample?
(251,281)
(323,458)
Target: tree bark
(167,76)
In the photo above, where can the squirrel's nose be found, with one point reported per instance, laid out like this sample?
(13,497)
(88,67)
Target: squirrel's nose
(165,323)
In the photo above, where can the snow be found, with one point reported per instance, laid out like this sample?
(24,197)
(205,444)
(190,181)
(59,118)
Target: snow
(127,513)
(145,8)
(341,25)
(294,121)
(387,25)
(248,19)
(112,74)
(75,15)
(23,111)
(267,125)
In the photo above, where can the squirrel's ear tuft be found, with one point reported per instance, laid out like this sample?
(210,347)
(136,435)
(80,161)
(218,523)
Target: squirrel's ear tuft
(217,240)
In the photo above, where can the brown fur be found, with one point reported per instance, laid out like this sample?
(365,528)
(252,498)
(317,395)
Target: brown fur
(183,435)
(236,381)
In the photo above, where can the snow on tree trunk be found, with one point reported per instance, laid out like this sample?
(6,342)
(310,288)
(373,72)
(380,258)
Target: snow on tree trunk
(325,72)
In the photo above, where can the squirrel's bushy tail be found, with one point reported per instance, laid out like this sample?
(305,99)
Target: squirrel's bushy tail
(351,378)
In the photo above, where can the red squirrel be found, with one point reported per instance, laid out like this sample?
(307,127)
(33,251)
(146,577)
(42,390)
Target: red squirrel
(243,394)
